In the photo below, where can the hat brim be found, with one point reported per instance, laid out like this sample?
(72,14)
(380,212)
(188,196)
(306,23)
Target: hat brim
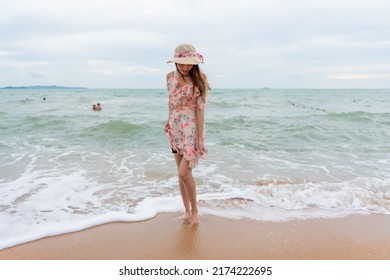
(186,60)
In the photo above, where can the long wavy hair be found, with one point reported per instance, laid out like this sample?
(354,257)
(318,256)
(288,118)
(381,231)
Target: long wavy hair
(198,79)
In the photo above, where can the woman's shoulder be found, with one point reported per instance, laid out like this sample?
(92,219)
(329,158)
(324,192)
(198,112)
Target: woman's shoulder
(170,75)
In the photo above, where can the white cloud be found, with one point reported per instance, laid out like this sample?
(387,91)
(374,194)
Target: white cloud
(360,76)
(365,72)
(19,65)
(248,43)
(118,68)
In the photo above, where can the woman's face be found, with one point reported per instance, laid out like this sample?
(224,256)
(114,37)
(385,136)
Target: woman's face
(184,69)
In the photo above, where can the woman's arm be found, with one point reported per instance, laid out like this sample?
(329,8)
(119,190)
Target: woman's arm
(200,123)
(167,123)
(169,75)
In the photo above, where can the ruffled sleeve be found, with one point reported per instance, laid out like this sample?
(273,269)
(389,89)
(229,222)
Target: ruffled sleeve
(203,100)
(169,80)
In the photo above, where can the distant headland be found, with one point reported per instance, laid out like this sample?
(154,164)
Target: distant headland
(41,87)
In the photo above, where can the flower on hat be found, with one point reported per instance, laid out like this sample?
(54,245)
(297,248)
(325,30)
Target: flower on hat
(186,54)
(190,54)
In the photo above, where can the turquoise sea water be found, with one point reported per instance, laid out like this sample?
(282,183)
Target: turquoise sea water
(273,155)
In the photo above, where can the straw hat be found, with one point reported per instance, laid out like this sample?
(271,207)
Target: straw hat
(186,54)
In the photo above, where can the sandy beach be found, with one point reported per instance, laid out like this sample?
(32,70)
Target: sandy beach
(167,237)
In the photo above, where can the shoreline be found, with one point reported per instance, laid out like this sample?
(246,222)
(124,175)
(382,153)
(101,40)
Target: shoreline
(165,237)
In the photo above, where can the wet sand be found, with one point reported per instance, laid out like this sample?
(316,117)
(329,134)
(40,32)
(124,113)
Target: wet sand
(358,237)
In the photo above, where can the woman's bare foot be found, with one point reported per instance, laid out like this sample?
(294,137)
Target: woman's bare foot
(186,216)
(195,218)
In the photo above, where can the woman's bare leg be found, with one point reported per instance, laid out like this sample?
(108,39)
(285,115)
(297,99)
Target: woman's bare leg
(185,175)
(183,192)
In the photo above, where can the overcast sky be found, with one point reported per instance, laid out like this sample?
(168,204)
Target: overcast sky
(246,43)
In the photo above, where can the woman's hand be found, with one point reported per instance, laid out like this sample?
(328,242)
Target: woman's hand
(167,127)
(202,148)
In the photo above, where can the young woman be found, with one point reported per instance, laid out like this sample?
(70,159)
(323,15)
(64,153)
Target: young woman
(188,98)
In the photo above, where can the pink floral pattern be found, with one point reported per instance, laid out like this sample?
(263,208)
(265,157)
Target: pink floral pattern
(190,54)
(182,128)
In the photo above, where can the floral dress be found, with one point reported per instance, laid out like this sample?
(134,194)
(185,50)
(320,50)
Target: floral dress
(182,129)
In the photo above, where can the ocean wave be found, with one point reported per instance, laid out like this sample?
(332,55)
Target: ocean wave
(147,136)
(282,201)
(268,201)
(42,121)
(117,127)
(115,131)
(237,122)
(33,125)
(360,117)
